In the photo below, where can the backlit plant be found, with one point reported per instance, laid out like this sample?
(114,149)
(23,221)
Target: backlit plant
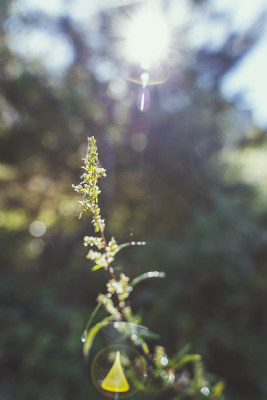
(181,374)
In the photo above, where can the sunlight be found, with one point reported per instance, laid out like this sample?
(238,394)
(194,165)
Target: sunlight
(147,38)
(116,381)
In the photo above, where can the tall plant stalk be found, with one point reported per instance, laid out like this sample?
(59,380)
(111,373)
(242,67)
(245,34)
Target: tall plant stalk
(164,372)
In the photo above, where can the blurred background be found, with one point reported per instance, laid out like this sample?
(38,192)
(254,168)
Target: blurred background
(188,176)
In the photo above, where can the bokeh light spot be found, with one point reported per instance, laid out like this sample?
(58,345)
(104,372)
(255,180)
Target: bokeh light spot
(139,141)
(164,361)
(37,228)
(205,391)
(67,208)
(2,218)
(117,88)
(36,247)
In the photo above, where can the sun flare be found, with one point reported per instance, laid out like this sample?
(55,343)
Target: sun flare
(147,38)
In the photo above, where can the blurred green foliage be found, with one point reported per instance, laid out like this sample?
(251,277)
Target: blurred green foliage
(196,194)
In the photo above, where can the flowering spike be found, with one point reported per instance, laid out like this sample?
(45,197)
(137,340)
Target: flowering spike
(88,187)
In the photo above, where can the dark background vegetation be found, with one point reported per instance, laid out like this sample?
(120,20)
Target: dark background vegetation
(190,194)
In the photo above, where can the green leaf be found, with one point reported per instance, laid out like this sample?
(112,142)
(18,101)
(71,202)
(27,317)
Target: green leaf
(177,357)
(90,336)
(144,346)
(199,379)
(121,246)
(96,267)
(148,334)
(93,314)
(147,275)
(185,360)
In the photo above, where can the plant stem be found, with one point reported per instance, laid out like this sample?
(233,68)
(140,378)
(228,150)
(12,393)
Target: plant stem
(111,271)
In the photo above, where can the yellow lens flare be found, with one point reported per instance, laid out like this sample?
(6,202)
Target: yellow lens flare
(147,38)
(115,380)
